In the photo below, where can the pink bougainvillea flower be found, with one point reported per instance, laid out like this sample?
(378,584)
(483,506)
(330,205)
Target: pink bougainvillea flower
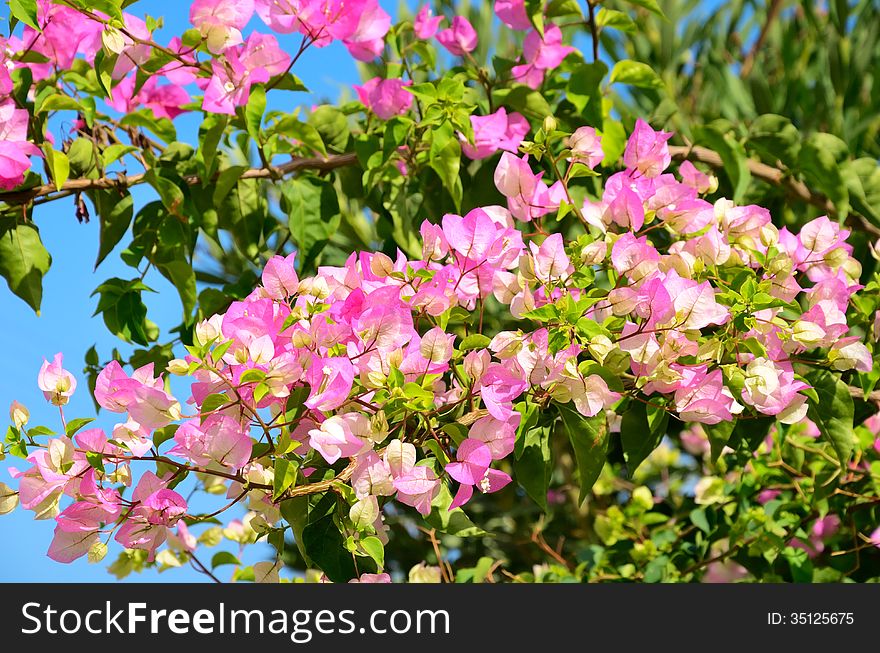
(321,20)
(164,101)
(255,61)
(417,488)
(540,55)
(221,21)
(141,395)
(330,380)
(220,440)
(551,263)
(134,51)
(14,162)
(426,23)
(513,14)
(472,469)
(460,39)
(279,277)
(335,439)
(697,180)
(57,384)
(586,147)
(368,39)
(385,97)
(496,131)
(646,150)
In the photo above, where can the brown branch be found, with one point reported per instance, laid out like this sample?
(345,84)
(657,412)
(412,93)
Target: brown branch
(72,186)
(774,176)
(858,393)
(749,60)
(320,486)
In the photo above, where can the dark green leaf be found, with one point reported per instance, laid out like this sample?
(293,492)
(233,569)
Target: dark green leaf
(23,261)
(224,558)
(589,439)
(534,466)
(115,214)
(642,427)
(326,548)
(833,413)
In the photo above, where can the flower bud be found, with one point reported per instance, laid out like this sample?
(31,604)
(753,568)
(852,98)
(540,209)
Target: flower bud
(549,124)
(807,333)
(8,499)
(112,40)
(208,330)
(19,415)
(177,367)
(600,346)
(769,235)
(594,253)
(837,257)
(381,264)
(424,573)
(379,427)
(97,552)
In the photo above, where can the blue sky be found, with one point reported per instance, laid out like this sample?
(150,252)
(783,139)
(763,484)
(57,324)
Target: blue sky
(66,324)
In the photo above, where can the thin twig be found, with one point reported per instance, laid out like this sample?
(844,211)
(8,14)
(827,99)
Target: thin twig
(78,185)
(771,175)
(749,60)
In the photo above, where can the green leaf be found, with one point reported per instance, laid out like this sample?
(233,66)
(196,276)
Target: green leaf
(115,213)
(75,425)
(373,546)
(313,215)
(25,11)
(526,101)
(641,429)
(95,460)
(775,136)
(224,558)
(226,181)
(862,177)
(169,192)
(254,110)
(445,159)
(113,152)
(613,141)
(304,133)
(474,341)
(162,435)
(210,133)
(833,413)
(719,435)
(59,165)
(589,439)
(285,476)
(651,5)
(326,548)
(533,468)
(332,125)
(635,73)
(452,522)
(23,261)
(820,158)
(558,8)
(615,19)
(584,91)
(535,12)
(57,102)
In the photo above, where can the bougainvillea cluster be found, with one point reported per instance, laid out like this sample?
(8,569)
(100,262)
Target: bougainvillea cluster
(358,364)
